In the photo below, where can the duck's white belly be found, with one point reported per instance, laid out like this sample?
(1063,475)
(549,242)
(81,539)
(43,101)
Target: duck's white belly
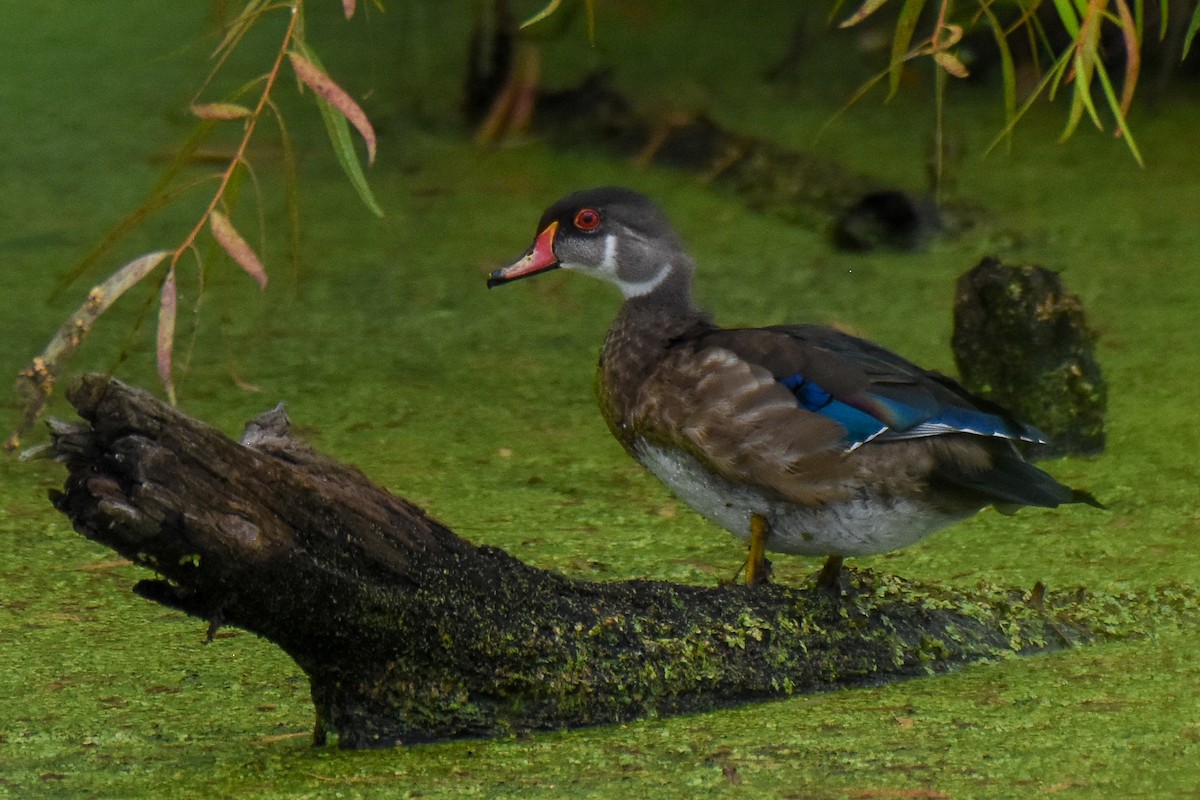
(866,524)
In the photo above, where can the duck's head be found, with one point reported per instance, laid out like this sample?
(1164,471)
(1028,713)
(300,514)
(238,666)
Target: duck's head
(615,234)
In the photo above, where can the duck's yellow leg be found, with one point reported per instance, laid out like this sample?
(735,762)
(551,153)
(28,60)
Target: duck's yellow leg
(758,569)
(830,578)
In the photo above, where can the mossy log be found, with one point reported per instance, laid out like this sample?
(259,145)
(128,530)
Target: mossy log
(409,633)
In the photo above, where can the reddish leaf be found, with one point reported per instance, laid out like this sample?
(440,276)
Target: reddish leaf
(336,96)
(220,111)
(1133,58)
(167,306)
(233,244)
(348,8)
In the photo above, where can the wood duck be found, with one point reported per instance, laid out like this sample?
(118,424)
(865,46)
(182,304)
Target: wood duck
(798,438)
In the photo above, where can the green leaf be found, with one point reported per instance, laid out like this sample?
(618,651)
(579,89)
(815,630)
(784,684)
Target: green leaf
(553,6)
(1115,105)
(241,25)
(550,8)
(1085,63)
(1007,70)
(319,81)
(291,185)
(1050,79)
(1068,16)
(343,144)
(343,147)
(1193,26)
(910,14)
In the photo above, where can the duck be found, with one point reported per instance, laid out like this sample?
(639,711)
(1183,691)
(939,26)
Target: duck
(797,439)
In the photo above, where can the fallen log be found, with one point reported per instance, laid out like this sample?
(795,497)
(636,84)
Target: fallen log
(409,633)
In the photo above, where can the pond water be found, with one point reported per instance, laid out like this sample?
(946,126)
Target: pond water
(478,405)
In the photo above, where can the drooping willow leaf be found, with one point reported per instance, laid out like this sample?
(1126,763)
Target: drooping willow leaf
(165,337)
(865,10)
(1008,71)
(316,79)
(1193,27)
(220,111)
(554,5)
(343,144)
(236,247)
(906,24)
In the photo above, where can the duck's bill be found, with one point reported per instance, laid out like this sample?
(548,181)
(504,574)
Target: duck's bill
(539,258)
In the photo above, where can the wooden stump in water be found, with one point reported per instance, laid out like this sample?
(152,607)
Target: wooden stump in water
(1022,340)
(410,633)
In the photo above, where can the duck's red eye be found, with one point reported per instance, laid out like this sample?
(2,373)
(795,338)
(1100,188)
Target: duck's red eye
(588,219)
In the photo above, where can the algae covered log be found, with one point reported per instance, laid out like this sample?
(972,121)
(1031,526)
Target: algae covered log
(409,633)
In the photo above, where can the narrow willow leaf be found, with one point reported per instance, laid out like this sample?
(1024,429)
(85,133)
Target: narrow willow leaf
(291,184)
(343,148)
(868,8)
(1068,16)
(1081,100)
(951,63)
(553,5)
(1084,64)
(232,243)
(336,96)
(1193,27)
(1007,69)
(240,26)
(1122,124)
(36,382)
(348,7)
(859,94)
(1049,79)
(1060,72)
(550,8)
(220,110)
(901,40)
(99,299)
(1133,56)
(165,345)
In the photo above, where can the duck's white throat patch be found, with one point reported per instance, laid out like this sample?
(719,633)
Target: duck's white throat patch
(608,270)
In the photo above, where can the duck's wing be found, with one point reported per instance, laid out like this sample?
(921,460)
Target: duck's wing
(869,391)
(740,422)
(780,408)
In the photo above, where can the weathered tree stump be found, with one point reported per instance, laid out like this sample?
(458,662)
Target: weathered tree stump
(409,633)
(1022,340)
